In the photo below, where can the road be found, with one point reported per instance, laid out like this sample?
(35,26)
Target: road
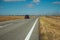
(19,30)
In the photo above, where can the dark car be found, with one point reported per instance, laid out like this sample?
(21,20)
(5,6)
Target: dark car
(27,17)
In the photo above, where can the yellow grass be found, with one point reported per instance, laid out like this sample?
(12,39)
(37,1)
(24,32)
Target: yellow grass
(50,27)
(7,18)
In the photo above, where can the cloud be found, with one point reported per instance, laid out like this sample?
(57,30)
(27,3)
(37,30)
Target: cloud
(56,2)
(33,3)
(13,0)
(36,2)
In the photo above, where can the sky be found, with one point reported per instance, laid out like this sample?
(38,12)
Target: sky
(29,7)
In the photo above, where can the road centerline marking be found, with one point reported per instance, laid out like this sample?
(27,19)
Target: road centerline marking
(31,30)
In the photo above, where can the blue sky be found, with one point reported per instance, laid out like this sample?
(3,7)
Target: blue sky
(30,7)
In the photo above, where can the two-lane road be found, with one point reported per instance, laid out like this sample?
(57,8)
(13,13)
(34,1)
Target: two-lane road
(19,30)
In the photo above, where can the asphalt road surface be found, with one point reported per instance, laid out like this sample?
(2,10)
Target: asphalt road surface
(26,29)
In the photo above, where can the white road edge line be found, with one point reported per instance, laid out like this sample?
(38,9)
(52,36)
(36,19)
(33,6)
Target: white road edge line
(31,30)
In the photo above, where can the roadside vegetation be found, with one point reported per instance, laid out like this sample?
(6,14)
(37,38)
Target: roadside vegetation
(7,18)
(50,27)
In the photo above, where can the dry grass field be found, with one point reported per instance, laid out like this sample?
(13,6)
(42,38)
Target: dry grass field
(50,27)
(7,18)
